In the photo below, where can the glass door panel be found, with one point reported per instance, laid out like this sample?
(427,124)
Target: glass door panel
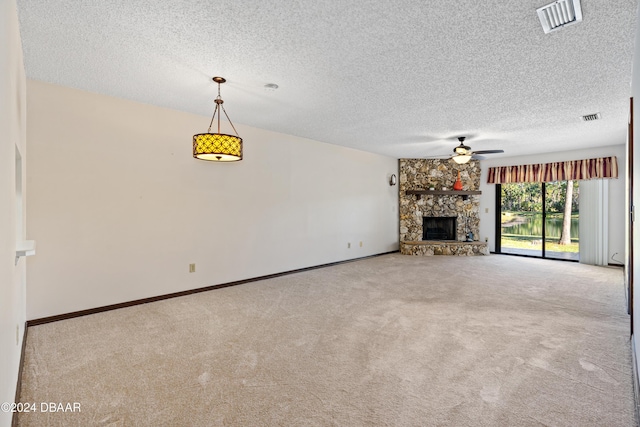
(561,220)
(521,219)
(540,220)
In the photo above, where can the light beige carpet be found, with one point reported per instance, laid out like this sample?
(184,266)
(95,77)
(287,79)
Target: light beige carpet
(388,341)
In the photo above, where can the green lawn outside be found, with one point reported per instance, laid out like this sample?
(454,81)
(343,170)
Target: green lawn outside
(533,242)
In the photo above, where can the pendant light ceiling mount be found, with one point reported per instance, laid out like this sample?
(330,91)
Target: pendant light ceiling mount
(218,147)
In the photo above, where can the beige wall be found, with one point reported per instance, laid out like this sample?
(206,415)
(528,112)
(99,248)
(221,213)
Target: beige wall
(616,192)
(119,208)
(12,139)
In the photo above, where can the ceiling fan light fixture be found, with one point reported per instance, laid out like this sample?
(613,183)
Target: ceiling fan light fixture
(461,158)
(462,149)
(463,154)
(218,147)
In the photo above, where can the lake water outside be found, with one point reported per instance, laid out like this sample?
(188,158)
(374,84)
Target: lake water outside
(531,225)
(522,234)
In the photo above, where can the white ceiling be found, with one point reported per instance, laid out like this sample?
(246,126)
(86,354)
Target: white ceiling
(402,78)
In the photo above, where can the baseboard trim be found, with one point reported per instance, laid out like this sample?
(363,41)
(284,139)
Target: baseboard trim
(635,379)
(80,313)
(14,417)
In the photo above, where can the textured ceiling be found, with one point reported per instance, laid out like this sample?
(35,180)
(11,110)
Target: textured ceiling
(401,78)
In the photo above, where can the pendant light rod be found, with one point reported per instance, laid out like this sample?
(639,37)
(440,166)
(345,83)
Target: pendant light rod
(219,105)
(227,116)
(219,102)
(213,118)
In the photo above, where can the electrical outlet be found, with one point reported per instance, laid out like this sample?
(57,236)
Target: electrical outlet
(348,245)
(486,240)
(360,244)
(486,210)
(192,268)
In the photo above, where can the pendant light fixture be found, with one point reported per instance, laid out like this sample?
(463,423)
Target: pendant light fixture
(218,147)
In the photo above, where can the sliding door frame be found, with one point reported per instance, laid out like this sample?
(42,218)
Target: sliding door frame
(498,238)
(630,266)
(498,211)
(543,193)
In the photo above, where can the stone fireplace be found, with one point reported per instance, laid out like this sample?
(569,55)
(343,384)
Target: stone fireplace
(435,219)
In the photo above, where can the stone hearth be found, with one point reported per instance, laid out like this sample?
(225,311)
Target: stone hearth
(434,247)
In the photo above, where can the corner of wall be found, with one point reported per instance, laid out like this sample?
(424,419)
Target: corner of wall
(12,204)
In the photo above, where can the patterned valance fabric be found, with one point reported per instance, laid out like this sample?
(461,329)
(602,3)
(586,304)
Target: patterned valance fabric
(603,167)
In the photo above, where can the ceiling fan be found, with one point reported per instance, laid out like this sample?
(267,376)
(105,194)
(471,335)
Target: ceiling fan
(462,153)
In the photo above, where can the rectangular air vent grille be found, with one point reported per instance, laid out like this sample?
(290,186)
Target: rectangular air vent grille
(591,117)
(559,14)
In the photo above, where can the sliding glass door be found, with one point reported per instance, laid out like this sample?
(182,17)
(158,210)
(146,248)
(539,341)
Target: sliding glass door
(561,220)
(535,219)
(521,219)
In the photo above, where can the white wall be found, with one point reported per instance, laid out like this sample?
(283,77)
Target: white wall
(635,92)
(119,207)
(12,138)
(616,193)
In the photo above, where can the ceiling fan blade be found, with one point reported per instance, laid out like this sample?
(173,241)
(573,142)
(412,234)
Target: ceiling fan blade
(475,156)
(488,151)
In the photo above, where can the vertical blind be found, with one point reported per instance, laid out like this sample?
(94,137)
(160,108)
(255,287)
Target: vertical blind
(594,222)
(602,167)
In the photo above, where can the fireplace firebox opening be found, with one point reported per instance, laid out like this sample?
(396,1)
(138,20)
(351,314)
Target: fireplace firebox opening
(439,228)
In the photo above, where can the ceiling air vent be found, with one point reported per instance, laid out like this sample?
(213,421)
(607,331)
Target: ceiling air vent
(559,14)
(591,117)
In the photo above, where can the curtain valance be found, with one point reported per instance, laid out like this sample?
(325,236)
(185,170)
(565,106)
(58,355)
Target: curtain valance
(603,167)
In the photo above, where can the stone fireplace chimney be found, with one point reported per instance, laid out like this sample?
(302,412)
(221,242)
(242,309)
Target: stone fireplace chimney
(440,205)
